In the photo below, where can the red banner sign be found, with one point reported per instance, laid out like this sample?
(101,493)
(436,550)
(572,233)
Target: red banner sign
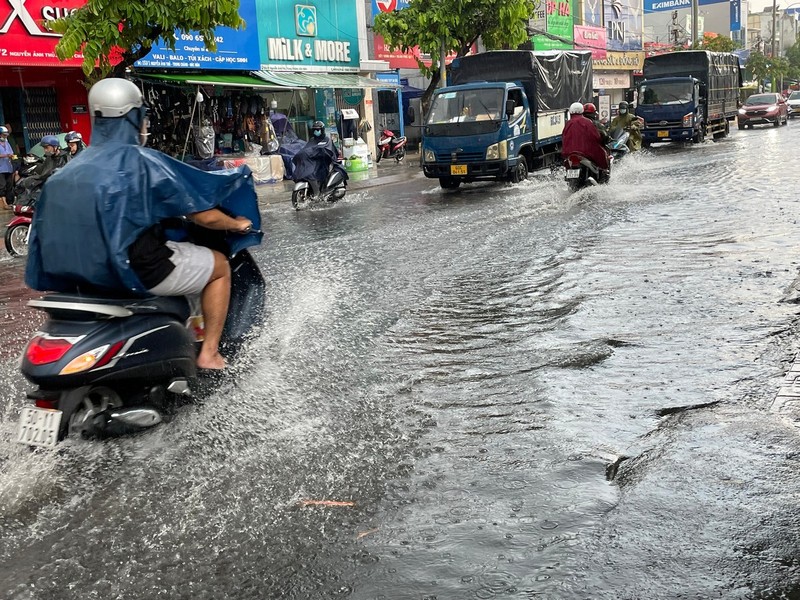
(24,40)
(591,38)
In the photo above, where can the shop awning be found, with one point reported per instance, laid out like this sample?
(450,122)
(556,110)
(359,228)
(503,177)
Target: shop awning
(321,80)
(227,80)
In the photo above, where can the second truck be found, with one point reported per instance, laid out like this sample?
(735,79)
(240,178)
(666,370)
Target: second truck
(686,96)
(503,115)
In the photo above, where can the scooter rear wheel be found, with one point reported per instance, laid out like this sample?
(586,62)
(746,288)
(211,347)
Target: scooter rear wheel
(17,239)
(400,154)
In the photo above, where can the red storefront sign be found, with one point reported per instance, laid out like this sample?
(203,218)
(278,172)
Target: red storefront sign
(24,40)
(591,38)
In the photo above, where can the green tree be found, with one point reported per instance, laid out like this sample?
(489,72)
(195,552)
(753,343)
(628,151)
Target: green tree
(114,34)
(456,24)
(718,43)
(758,65)
(793,56)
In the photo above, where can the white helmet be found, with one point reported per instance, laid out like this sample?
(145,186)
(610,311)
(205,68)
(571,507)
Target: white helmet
(576,108)
(114,97)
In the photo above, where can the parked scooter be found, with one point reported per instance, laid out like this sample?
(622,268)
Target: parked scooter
(391,146)
(333,189)
(108,366)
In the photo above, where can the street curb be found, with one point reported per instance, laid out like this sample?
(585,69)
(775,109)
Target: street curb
(282,190)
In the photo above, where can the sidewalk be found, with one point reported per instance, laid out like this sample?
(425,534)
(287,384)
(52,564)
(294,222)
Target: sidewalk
(388,171)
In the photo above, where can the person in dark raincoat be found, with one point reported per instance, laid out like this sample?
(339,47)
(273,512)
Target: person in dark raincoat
(113,241)
(313,162)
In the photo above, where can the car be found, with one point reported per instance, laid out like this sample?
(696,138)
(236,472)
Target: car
(794,104)
(763,108)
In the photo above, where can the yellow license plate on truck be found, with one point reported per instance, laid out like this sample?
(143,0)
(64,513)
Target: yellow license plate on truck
(663,134)
(458,169)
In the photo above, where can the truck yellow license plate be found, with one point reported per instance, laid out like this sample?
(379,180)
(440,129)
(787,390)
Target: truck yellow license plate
(663,134)
(458,169)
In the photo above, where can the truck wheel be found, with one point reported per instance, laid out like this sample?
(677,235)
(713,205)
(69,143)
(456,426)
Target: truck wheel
(700,136)
(448,183)
(520,172)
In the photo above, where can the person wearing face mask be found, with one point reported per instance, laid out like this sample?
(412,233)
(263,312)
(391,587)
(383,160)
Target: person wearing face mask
(121,241)
(313,162)
(6,170)
(629,122)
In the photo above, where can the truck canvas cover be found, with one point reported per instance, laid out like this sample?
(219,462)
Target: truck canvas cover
(552,79)
(718,70)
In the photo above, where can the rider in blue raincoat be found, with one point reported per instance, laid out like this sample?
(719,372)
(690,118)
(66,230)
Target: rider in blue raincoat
(98,228)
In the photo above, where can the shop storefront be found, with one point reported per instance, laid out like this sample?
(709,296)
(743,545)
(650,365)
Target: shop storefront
(39,95)
(317,48)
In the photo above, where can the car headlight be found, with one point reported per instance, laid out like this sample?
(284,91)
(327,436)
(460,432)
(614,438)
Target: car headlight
(688,120)
(742,111)
(772,109)
(429,156)
(498,151)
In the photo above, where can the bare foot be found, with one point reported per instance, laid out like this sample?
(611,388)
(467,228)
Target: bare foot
(211,361)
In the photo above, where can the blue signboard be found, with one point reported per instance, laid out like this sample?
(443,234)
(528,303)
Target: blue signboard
(300,36)
(236,49)
(379,6)
(736,15)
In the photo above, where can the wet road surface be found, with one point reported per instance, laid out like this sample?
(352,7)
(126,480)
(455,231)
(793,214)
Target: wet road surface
(514,393)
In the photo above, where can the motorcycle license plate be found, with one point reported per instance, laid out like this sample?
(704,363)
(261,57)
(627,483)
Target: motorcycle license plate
(458,169)
(663,134)
(39,427)
(573,173)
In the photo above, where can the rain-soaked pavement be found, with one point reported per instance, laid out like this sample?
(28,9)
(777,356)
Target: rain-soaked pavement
(524,394)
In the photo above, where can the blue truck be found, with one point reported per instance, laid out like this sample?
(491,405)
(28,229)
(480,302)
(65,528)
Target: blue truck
(503,115)
(686,96)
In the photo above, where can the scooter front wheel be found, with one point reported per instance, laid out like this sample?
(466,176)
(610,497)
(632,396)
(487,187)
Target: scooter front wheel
(17,239)
(298,197)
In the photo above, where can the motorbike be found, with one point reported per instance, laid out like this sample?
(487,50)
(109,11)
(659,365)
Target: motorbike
(19,229)
(333,189)
(391,146)
(618,143)
(582,172)
(107,366)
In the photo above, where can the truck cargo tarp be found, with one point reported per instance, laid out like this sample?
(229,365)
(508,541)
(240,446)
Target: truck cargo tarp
(552,79)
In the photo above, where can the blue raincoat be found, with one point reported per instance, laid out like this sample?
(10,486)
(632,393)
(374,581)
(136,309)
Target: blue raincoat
(95,207)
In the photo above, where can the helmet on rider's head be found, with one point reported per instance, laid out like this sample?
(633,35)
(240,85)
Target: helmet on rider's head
(590,110)
(623,107)
(50,140)
(318,129)
(576,108)
(73,136)
(3,130)
(114,97)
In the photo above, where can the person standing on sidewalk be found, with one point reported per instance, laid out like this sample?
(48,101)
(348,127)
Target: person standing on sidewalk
(6,170)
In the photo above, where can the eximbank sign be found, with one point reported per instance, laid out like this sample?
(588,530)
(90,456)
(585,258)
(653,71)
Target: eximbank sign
(661,5)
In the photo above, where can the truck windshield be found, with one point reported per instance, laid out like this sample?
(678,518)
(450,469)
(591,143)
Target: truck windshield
(676,92)
(465,106)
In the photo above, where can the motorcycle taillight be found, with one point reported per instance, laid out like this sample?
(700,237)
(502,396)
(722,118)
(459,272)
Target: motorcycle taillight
(46,403)
(573,161)
(42,350)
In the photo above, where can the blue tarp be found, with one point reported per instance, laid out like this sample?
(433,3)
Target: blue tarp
(95,207)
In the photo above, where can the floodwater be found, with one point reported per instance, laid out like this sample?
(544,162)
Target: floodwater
(499,392)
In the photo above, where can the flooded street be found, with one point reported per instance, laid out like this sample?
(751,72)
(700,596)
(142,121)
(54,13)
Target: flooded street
(499,392)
